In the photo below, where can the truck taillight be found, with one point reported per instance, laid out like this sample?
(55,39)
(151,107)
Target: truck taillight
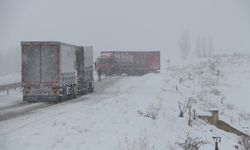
(56,90)
(26,90)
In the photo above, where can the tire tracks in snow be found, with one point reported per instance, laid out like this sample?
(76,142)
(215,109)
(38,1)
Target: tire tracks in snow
(23,109)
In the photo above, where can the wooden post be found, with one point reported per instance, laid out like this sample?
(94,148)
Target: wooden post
(215,117)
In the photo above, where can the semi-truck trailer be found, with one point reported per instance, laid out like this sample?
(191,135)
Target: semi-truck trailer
(53,71)
(128,62)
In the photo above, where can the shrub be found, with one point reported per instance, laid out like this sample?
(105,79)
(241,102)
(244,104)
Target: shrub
(151,112)
(139,144)
(191,143)
(245,143)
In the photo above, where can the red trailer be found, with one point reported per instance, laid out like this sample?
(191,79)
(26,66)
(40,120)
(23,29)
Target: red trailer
(128,62)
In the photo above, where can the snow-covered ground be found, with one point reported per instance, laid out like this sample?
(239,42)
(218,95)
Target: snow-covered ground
(141,112)
(14,97)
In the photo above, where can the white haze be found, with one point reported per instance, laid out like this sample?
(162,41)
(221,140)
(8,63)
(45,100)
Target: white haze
(122,25)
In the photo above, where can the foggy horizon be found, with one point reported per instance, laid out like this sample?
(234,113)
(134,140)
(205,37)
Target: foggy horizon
(126,25)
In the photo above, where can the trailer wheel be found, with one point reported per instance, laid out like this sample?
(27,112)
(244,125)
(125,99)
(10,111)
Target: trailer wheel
(72,92)
(91,87)
(86,89)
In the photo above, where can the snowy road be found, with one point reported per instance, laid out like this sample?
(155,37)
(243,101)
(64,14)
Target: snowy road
(12,106)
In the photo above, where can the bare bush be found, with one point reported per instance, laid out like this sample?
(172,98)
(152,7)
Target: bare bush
(183,108)
(191,143)
(139,144)
(151,112)
(212,66)
(172,147)
(245,143)
(192,115)
(230,107)
(215,92)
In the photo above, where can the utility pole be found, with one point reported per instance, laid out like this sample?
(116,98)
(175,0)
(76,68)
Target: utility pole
(217,140)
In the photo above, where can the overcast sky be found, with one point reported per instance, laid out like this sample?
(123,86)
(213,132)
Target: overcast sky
(126,24)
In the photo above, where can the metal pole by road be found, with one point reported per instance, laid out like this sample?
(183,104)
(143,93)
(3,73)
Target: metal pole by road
(217,140)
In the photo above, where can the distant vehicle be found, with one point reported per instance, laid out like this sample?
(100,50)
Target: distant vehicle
(128,62)
(53,71)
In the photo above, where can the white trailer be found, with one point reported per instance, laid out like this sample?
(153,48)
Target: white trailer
(49,71)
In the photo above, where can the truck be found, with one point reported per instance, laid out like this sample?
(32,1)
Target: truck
(128,62)
(84,65)
(53,71)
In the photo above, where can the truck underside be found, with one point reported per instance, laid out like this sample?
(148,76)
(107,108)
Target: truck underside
(48,93)
(85,81)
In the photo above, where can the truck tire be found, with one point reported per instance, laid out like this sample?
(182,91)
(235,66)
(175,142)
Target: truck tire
(91,87)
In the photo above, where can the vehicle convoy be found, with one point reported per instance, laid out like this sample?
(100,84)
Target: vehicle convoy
(128,62)
(53,71)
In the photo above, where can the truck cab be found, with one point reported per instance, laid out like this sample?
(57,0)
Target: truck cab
(105,64)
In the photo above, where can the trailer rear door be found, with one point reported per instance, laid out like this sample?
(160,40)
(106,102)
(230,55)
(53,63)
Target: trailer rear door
(30,63)
(39,62)
(48,63)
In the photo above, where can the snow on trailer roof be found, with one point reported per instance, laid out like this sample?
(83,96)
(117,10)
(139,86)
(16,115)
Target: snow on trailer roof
(44,43)
(40,42)
(127,51)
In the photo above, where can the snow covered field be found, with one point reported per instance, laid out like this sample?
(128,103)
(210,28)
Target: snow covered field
(11,78)
(141,112)
(14,97)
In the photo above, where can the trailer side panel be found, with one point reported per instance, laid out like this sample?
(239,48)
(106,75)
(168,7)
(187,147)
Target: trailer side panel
(68,64)
(30,63)
(130,62)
